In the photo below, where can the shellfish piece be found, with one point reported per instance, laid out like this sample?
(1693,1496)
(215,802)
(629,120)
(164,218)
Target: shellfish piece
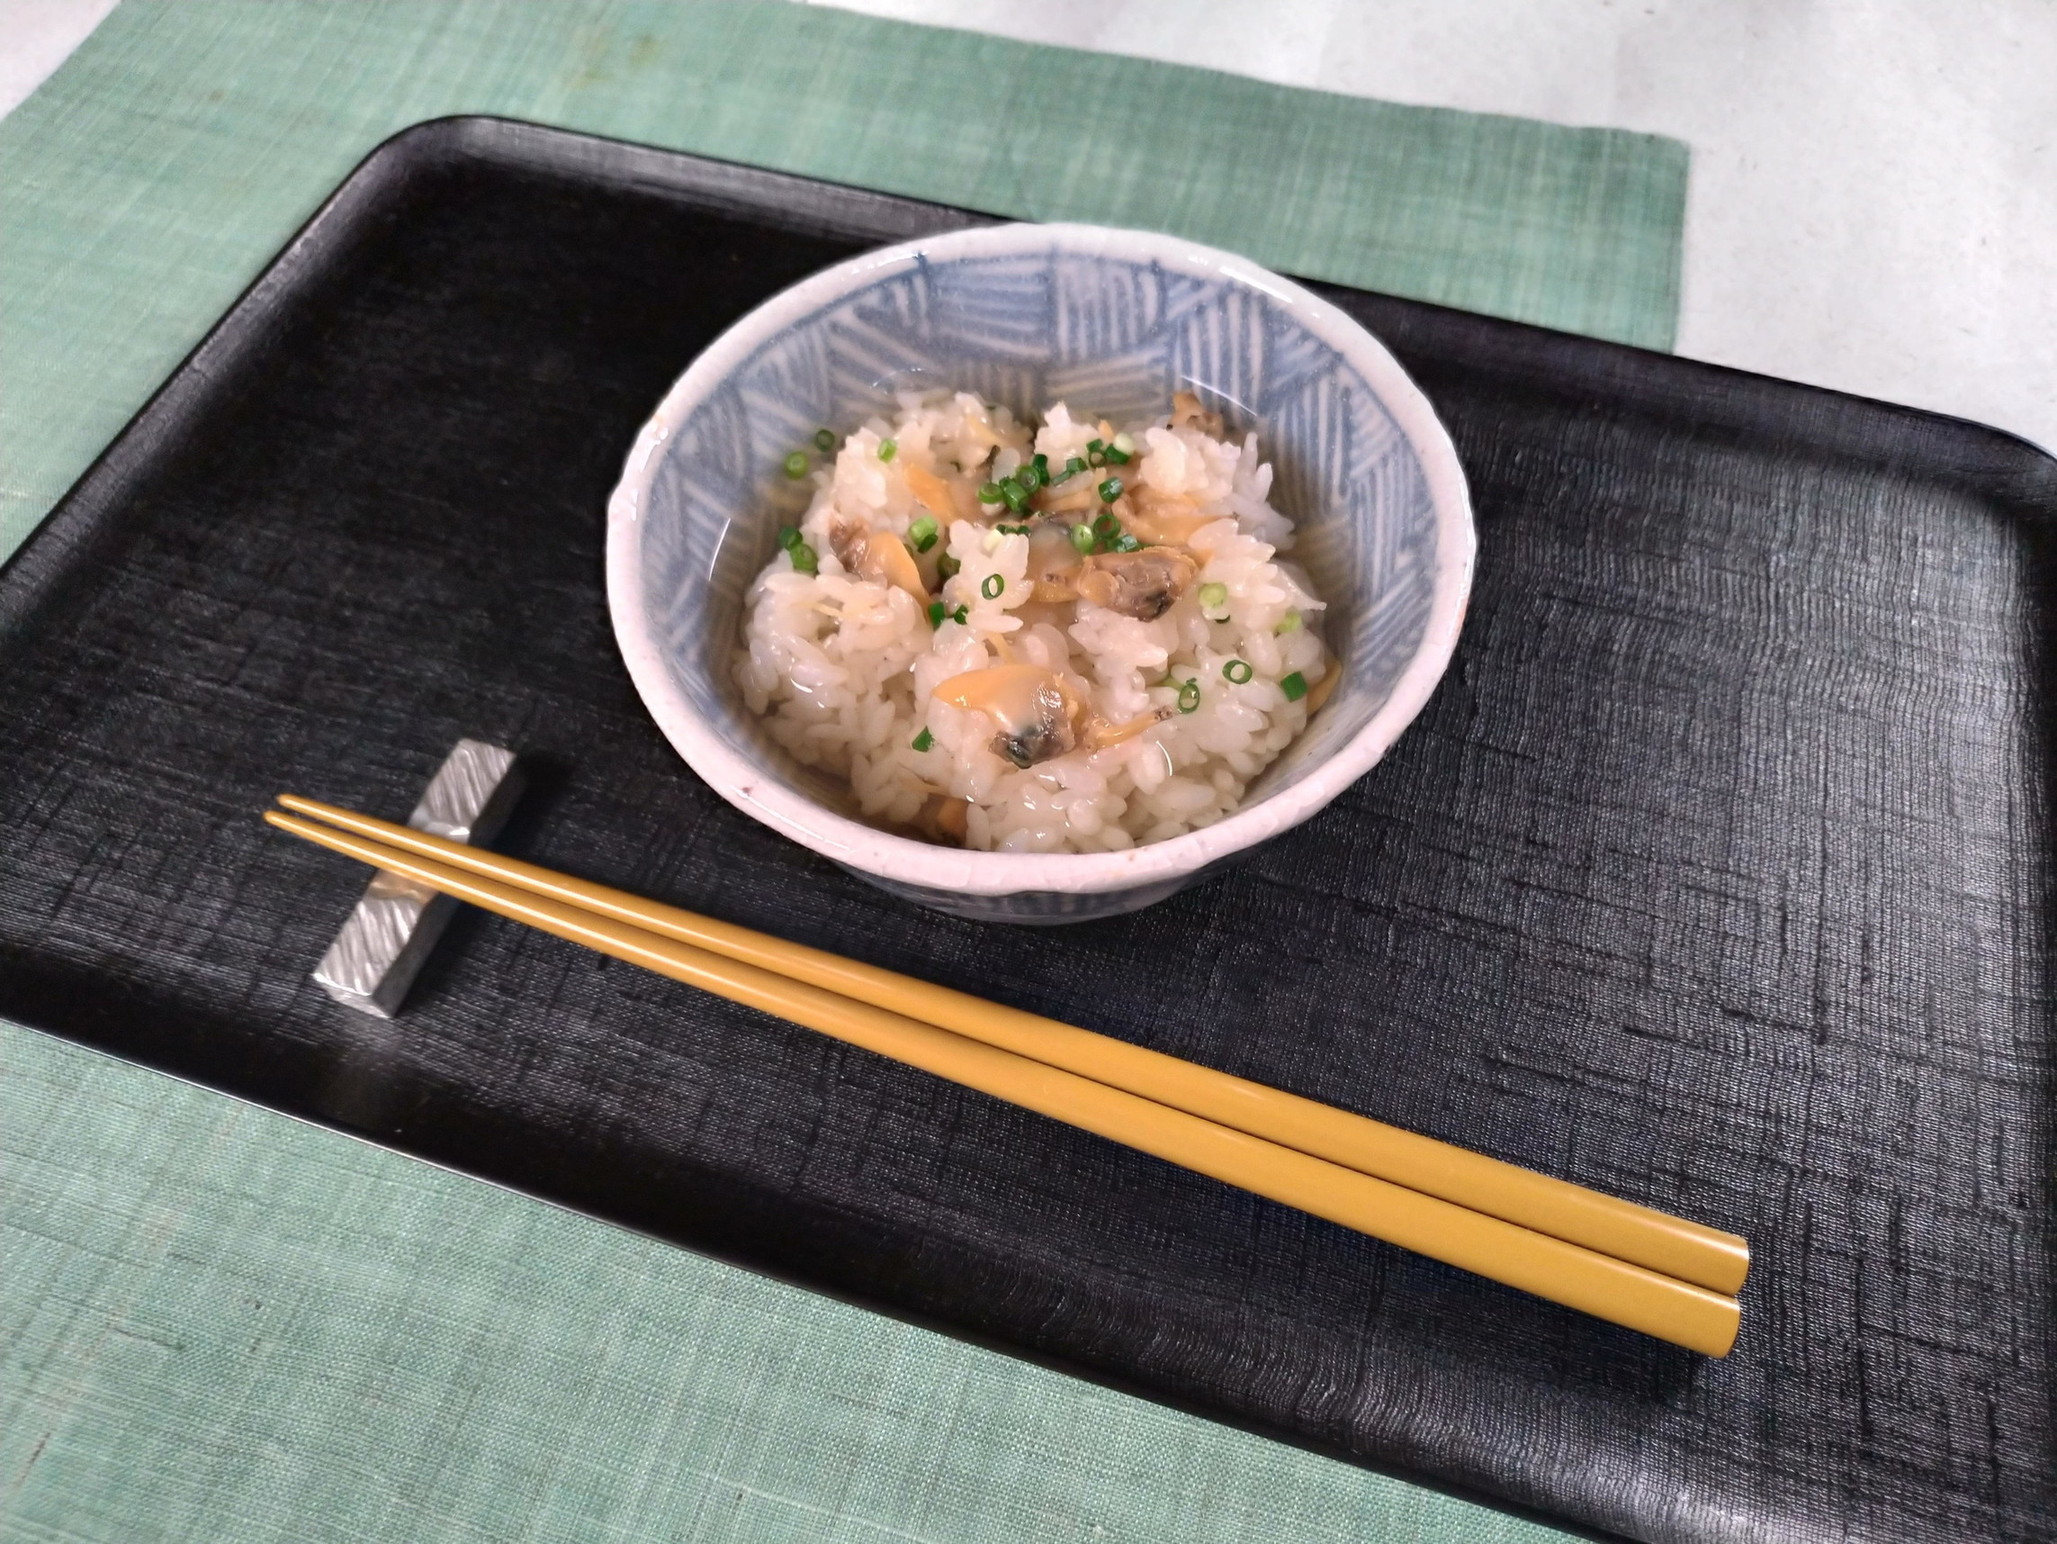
(1143,584)
(1100,733)
(1032,708)
(847,541)
(944,819)
(1323,689)
(931,492)
(1053,563)
(1188,413)
(1070,501)
(879,555)
(1166,519)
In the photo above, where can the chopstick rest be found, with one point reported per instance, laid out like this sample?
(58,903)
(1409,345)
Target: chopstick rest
(380,948)
(1595,1283)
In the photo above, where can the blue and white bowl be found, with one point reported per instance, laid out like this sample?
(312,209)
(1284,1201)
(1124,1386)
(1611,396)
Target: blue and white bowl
(1113,322)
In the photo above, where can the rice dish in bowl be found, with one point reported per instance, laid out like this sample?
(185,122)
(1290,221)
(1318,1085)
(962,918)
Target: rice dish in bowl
(720,539)
(1072,636)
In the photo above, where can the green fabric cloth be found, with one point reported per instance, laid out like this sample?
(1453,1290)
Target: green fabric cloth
(219,1324)
(181,146)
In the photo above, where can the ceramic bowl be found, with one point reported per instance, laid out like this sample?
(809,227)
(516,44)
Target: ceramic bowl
(1111,321)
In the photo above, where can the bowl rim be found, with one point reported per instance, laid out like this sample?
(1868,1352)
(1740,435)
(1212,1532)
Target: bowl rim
(904,860)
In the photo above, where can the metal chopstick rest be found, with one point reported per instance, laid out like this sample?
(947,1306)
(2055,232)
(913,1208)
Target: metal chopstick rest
(382,944)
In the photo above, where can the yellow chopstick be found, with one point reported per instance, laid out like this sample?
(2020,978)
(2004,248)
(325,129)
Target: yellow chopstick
(1593,1283)
(1640,1235)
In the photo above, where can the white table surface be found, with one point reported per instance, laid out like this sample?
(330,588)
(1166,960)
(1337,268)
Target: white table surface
(1873,195)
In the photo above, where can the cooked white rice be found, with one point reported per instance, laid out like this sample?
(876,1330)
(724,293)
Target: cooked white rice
(1140,727)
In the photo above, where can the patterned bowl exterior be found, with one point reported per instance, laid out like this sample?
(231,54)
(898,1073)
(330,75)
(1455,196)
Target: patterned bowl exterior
(1112,322)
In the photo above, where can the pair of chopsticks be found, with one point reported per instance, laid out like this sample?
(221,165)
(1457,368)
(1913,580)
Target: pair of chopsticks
(1621,1262)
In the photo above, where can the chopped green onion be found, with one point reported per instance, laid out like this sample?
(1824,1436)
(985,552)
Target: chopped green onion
(789,537)
(936,613)
(1072,468)
(824,440)
(989,493)
(924,741)
(1107,527)
(888,449)
(796,464)
(1213,597)
(1189,697)
(1238,671)
(1082,538)
(1125,443)
(1093,445)
(947,567)
(804,560)
(1294,686)
(1030,477)
(1289,623)
(1126,542)
(1010,530)
(960,615)
(991,586)
(1015,496)
(1110,490)
(1041,463)
(922,533)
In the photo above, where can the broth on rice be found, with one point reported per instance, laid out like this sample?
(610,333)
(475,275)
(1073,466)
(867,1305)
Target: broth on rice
(1053,638)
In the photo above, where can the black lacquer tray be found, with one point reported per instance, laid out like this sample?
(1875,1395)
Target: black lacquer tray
(1716,875)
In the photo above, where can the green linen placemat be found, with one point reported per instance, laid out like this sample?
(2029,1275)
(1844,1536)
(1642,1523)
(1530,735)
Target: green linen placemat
(180,147)
(217,1323)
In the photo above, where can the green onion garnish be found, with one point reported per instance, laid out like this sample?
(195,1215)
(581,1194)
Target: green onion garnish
(1093,445)
(924,740)
(922,533)
(1294,686)
(1213,597)
(991,586)
(1110,490)
(789,537)
(824,440)
(960,615)
(1125,443)
(1107,527)
(796,464)
(1116,456)
(1041,463)
(1072,468)
(1030,478)
(1238,671)
(804,560)
(1289,623)
(989,493)
(1015,496)
(1082,538)
(1010,530)
(1127,542)
(936,613)
(888,449)
(947,567)
(1189,697)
